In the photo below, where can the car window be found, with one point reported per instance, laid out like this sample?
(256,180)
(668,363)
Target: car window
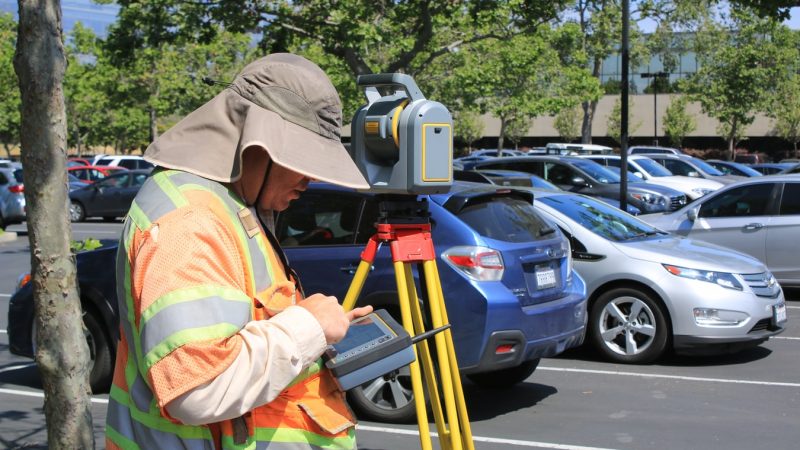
(598,172)
(3,179)
(115,181)
(559,173)
(743,201)
(600,218)
(319,218)
(139,179)
(790,203)
(510,219)
(18,175)
(653,168)
(468,175)
(142,164)
(95,175)
(706,167)
(103,162)
(127,163)
(678,167)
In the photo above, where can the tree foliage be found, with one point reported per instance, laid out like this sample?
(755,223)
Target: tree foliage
(677,122)
(614,123)
(568,124)
(738,63)
(468,127)
(9,101)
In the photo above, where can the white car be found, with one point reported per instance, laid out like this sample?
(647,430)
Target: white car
(654,173)
(650,291)
(759,216)
(130,162)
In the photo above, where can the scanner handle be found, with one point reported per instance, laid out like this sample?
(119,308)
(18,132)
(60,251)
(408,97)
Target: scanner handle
(402,80)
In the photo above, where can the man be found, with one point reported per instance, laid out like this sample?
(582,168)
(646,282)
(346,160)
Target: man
(218,348)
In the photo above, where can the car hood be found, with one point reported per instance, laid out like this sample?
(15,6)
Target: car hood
(690,253)
(727,179)
(653,188)
(683,182)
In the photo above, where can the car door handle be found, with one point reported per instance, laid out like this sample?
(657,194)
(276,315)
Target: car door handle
(351,269)
(753,226)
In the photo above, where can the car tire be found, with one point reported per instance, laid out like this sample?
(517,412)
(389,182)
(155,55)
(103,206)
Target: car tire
(389,398)
(629,326)
(100,353)
(77,213)
(505,378)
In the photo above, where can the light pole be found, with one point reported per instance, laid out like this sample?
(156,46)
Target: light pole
(655,76)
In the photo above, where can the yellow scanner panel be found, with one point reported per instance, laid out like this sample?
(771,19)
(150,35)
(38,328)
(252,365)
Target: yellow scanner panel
(372,127)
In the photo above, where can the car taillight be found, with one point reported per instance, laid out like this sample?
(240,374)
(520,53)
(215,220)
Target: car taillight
(17,188)
(477,263)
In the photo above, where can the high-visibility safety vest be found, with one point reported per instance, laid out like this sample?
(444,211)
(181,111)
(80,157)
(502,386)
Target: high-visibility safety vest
(184,334)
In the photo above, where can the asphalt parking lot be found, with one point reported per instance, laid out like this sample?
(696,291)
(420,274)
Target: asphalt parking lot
(742,401)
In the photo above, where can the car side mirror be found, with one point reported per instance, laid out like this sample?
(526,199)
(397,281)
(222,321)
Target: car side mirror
(693,213)
(693,174)
(579,182)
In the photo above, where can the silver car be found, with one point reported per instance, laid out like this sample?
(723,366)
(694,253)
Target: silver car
(759,216)
(12,197)
(651,291)
(692,167)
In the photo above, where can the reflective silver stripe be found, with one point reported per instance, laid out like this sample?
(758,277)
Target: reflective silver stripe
(119,418)
(287,446)
(140,393)
(258,260)
(153,201)
(202,312)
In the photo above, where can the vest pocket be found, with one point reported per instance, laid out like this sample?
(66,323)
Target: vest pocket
(332,417)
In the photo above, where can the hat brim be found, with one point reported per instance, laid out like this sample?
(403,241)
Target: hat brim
(300,149)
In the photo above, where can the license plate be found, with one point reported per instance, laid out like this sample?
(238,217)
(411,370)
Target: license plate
(779,313)
(545,277)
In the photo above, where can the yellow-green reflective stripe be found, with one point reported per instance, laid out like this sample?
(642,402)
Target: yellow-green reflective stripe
(193,293)
(129,306)
(222,330)
(302,436)
(158,422)
(172,192)
(310,371)
(121,441)
(138,216)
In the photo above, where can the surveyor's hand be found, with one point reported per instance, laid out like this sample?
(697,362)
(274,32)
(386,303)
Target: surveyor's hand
(331,316)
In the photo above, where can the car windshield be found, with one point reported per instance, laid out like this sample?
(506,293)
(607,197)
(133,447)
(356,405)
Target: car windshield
(599,218)
(706,167)
(653,168)
(597,172)
(510,219)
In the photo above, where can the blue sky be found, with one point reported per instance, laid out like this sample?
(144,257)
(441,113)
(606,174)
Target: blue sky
(99,17)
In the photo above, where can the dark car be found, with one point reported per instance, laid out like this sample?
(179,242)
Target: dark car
(506,275)
(772,168)
(109,198)
(734,168)
(587,177)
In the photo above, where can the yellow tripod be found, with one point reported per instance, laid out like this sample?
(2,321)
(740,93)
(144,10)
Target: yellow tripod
(404,225)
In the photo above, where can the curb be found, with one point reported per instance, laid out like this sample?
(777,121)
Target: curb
(8,236)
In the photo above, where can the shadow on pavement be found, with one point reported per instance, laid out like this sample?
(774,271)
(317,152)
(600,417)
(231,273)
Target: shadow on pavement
(27,374)
(485,403)
(585,353)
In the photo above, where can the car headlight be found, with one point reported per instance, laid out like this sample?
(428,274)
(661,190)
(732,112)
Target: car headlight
(701,191)
(726,280)
(651,199)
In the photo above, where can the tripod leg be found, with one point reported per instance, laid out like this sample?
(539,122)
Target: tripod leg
(448,365)
(429,370)
(459,391)
(356,285)
(416,377)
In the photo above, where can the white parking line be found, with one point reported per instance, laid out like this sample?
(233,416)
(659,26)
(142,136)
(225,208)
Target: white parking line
(793,307)
(785,337)
(41,395)
(5,295)
(21,366)
(670,377)
(3,331)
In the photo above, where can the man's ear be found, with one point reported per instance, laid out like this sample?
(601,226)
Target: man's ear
(254,169)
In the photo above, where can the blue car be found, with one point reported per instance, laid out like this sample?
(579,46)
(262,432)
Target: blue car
(506,274)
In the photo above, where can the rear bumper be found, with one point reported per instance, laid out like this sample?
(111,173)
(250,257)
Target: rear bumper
(538,331)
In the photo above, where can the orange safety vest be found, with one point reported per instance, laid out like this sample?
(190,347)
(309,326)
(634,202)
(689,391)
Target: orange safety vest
(186,334)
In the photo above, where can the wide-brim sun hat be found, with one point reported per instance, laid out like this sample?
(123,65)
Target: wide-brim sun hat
(283,103)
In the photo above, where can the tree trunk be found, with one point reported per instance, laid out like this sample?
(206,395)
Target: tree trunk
(62,354)
(153,125)
(8,149)
(500,138)
(589,109)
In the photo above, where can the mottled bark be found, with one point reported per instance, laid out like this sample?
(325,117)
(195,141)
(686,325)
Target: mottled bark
(62,353)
